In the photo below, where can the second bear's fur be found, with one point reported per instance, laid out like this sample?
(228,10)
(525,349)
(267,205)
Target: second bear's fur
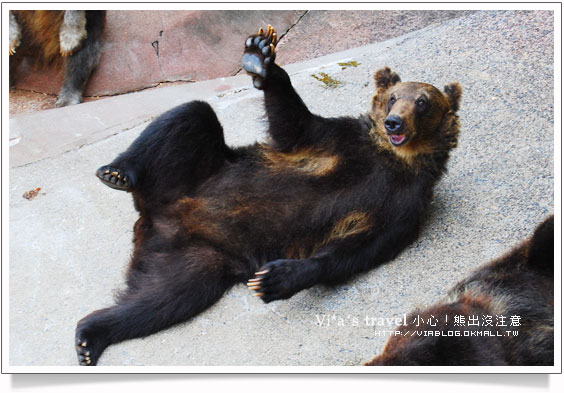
(502,315)
(324,199)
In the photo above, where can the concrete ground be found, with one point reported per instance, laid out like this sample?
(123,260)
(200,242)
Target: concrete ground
(69,245)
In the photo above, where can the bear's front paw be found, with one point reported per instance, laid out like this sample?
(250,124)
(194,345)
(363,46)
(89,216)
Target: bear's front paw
(259,54)
(277,280)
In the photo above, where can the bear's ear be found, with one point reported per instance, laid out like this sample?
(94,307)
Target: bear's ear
(386,78)
(541,248)
(453,92)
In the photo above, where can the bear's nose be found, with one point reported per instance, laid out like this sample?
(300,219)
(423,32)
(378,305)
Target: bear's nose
(393,124)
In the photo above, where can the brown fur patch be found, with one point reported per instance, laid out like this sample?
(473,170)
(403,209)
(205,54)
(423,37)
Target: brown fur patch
(196,216)
(352,224)
(210,220)
(188,203)
(138,233)
(40,34)
(307,161)
(298,251)
(472,301)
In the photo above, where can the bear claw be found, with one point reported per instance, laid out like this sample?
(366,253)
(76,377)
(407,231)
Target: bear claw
(259,54)
(89,344)
(83,353)
(279,279)
(112,177)
(255,284)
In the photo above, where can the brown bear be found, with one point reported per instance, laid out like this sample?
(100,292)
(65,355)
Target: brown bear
(56,37)
(324,199)
(503,314)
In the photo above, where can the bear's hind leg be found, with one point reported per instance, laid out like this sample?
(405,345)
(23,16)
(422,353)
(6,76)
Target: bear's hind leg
(81,64)
(173,155)
(162,290)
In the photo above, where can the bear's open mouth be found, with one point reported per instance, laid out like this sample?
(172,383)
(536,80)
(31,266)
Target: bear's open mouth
(398,139)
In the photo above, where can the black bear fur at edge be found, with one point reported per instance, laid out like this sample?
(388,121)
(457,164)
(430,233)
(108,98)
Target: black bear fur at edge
(518,284)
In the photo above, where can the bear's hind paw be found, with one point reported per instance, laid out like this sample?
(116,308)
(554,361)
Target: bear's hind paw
(83,353)
(90,342)
(114,178)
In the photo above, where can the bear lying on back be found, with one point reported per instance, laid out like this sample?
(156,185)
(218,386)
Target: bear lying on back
(324,199)
(505,313)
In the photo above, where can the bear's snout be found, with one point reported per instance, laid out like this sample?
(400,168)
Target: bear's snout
(393,124)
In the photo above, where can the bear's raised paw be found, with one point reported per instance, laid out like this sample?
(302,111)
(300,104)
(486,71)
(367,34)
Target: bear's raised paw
(259,54)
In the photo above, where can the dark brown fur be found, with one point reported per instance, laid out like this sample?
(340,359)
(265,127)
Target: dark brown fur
(40,36)
(521,283)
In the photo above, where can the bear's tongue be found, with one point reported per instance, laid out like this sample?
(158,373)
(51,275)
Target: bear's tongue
(397,139)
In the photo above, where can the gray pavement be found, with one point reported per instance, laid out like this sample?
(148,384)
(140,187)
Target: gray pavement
(70,245)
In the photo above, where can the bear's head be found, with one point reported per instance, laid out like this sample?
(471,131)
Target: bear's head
(414,118)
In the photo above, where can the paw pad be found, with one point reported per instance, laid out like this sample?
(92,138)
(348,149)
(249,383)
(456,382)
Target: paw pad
(260,52)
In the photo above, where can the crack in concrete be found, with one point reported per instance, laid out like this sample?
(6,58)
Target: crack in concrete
(293,25)
(152,86)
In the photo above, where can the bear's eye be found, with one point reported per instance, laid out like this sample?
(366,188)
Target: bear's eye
(421,104)
(391,102)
